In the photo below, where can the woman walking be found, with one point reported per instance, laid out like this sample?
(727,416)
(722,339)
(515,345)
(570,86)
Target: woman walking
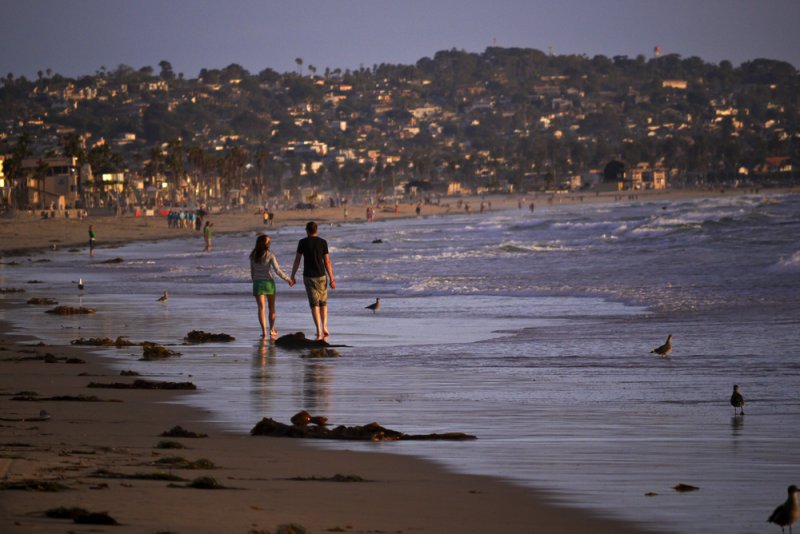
(262,262)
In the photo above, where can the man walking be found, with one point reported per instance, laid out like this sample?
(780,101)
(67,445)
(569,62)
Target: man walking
(317,274)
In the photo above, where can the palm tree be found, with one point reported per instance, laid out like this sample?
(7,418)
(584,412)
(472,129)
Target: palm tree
(231,167)
(175,163)
(299,62)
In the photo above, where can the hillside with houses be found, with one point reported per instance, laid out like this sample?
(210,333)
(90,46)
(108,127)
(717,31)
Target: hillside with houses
(505,120)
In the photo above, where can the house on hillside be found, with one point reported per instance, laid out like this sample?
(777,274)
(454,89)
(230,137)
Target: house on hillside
(5,186)
(51,182)
(643,176)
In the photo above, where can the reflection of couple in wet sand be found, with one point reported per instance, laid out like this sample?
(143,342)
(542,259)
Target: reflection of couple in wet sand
(317,274)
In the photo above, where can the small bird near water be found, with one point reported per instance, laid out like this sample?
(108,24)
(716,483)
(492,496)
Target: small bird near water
(664,349)
(164,297)
(737,400)
(80,284)
(376,306)
(787,513)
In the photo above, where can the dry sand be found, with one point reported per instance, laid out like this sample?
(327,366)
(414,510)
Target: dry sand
(26,233)
(399,495)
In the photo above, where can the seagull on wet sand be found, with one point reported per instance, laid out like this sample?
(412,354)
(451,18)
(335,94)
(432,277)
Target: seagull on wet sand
(164,297)
(374,307)
(664,349)
(737,400)
(787,513)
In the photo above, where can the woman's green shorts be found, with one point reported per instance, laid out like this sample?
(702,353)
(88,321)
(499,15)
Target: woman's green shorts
(263,287)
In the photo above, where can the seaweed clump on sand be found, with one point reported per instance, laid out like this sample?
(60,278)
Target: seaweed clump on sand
(298,340)
(30,484)
(178,462)
(335,478)
(143,384)
(180,432)
(198,336)
(58,398)
(154,351)
(71,310)
(300,428)
(104,342)
(42,300)
(169,444)
(104,473)
(205,483)
(81,516)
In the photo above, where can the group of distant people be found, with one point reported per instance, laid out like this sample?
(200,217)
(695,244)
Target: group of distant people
(184,220)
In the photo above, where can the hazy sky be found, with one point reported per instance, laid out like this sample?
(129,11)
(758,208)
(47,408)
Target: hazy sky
(75,37)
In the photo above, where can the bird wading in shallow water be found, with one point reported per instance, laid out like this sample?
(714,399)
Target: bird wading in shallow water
(787,513)
(376,306)
(664,349)
(737,400)
(164,297)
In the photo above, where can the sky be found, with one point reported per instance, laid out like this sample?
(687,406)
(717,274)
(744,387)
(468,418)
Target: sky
(78,37)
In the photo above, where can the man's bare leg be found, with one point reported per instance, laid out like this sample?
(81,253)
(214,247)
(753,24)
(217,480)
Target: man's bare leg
(315,313)
(323,315)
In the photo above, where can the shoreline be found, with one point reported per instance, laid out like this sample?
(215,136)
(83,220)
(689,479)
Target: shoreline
(27,234)
(400,493)
(82,437)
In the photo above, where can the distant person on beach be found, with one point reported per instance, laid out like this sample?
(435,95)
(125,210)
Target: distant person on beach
(262,263)
(92,237)
(207,235)
(317,274)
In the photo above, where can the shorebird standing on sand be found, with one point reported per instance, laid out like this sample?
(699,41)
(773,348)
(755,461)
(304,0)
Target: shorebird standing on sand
(737,400)
(787,513)
(664,349)
(374,307)
(164,297)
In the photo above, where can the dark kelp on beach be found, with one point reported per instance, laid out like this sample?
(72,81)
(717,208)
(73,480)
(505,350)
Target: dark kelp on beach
(198,336)
(143,384)
(368,432)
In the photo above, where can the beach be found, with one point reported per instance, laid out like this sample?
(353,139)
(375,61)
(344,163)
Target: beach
(399,492)
(30,232)
(119,433)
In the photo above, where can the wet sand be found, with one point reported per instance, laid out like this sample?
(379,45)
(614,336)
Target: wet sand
(120,431)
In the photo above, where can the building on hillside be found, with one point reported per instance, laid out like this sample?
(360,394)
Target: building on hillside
(675,84)
(643,176)
(51,182)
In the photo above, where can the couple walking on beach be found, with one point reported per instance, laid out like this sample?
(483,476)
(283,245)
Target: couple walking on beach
(317,275)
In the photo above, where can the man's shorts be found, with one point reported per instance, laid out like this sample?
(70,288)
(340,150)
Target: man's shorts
(263,287)
(317,290)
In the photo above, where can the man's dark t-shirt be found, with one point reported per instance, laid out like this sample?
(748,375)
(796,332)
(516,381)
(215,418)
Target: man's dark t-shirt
(313,249)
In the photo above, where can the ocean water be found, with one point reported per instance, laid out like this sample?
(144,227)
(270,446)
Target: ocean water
(531,330)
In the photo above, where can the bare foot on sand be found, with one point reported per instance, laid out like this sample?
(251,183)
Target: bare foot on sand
(273,334)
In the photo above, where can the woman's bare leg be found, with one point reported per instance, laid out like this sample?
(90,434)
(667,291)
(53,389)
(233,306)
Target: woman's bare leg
(261,319)
(273,334)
